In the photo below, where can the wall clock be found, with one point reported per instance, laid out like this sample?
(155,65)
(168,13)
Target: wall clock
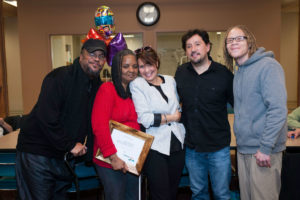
(148,13)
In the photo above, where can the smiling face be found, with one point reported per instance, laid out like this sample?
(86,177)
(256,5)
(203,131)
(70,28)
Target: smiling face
(129,69)
(238,50)
(148,71)
(196,50)
(92,63)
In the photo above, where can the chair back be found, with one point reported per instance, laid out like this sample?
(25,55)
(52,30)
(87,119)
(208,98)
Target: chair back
(7,171)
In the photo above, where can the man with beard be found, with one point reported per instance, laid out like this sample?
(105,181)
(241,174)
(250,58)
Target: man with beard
(205,88)
(58,124)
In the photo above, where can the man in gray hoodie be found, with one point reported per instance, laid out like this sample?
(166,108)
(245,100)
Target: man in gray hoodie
(260,114)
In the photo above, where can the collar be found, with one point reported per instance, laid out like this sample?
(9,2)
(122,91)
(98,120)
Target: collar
(162,78)
(211,68)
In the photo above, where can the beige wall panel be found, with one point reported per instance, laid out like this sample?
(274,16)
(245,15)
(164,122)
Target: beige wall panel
(37,19)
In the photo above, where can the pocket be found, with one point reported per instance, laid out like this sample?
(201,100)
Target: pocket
(243,130)
(214,98)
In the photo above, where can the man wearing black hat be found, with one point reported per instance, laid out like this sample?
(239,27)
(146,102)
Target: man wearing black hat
(58,124)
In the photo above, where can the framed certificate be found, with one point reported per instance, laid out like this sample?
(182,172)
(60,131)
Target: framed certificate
(132,146)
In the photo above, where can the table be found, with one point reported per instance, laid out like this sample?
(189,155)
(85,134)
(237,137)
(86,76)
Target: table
(290,143)
(8,142)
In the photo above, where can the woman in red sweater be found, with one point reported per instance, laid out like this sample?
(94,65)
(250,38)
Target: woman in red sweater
(113,102)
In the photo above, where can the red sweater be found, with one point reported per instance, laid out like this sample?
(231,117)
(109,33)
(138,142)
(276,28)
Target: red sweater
(108,105)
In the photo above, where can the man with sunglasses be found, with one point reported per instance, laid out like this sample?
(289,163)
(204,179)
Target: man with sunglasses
(205,88)
(59,124)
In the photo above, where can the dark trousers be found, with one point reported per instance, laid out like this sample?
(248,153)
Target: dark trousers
(163,174)
(117,185)
(41,178)
(290,176)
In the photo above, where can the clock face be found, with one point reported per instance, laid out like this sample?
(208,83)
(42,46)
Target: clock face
(148,14)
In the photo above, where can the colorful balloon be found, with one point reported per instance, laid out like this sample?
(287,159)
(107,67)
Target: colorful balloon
(104,21)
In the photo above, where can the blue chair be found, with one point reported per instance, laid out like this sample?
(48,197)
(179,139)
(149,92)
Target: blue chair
(184,181)
(85,178)
(7,171)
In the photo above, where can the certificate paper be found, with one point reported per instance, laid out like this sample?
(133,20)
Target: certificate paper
(132,146)
(128,147)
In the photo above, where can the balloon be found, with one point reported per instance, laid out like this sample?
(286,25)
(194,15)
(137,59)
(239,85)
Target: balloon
(96,35)
(104,21)
(117,44)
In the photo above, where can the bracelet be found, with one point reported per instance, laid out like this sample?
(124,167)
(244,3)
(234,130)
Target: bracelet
(166,118)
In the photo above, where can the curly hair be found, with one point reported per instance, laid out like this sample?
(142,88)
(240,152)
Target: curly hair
(202,33)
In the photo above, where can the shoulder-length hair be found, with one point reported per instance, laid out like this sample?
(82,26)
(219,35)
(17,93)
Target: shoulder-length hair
(116,73)
(251,41)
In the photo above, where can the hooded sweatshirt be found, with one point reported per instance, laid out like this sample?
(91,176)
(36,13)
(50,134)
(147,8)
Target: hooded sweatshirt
(260,105)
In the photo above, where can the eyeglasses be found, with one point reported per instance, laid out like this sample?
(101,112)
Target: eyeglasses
(95,56)
(237,39)
(140,50)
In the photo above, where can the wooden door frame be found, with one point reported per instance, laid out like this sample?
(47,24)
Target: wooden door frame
(3,76)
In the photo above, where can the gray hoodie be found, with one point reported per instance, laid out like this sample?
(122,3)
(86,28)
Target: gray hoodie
(260,105)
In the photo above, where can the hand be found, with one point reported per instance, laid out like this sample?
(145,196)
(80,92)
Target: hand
(79,149)
(117,163)
(1,121)
(296,133)
(262,160)
(177,116)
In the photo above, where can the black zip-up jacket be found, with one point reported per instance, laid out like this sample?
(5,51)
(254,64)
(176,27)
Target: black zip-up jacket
(204,101)
(61,116)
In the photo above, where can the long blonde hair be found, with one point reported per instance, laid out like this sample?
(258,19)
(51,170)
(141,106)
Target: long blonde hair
(251,41)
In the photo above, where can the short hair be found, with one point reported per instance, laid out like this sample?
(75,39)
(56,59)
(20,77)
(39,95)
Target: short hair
(148,55)
(251,41)
(116,73)
(202,33)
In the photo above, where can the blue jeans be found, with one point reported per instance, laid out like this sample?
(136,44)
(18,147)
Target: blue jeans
(215,164)
(117,185)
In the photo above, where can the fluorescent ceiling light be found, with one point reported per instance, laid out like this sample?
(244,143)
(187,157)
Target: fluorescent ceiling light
(11,2)
(218,33)
(128,36)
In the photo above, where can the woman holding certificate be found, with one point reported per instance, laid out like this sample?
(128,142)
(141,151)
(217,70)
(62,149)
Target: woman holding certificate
(157,105)
(113,102)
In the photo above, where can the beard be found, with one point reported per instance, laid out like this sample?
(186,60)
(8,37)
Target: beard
(92,73)
(198,62)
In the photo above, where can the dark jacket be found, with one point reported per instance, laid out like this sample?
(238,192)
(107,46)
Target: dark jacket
(61,116)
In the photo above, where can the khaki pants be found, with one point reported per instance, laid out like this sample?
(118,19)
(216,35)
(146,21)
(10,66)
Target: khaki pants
(259,183)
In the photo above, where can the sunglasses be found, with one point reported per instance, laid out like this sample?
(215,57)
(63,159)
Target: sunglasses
(140,50)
